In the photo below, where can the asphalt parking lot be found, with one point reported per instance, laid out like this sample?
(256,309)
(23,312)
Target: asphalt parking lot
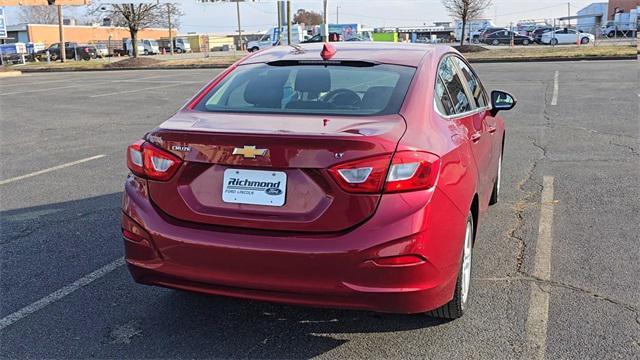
(555,266)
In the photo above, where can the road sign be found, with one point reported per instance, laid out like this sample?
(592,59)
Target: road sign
(3,25)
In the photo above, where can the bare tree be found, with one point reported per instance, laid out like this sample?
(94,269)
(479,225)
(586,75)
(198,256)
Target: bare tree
(465,10)
(39,14)
(309,18)
(136,17)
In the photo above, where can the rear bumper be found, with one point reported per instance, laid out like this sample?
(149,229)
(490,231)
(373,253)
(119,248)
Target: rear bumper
(326,270)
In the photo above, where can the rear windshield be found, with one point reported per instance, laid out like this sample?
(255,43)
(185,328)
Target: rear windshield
(311,89)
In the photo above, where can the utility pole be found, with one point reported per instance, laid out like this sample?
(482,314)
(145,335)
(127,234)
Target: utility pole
(279,40)
(170,33)
(288,22)
(325,27)
(337,14)
(569,12)
(63,51)
(239,26)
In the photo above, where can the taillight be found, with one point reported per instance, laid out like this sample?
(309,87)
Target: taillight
(362,176)
(408,171)
(412,170)
(146,160)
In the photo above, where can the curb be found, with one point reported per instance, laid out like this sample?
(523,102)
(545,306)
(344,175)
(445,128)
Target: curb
(552,59)
(223,66)
(175,67)
(12,73)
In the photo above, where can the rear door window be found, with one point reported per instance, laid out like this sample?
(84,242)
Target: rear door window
(478,93)
(454,85)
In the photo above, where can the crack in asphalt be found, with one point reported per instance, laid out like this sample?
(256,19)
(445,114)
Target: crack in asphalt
(575,288)
(634,152)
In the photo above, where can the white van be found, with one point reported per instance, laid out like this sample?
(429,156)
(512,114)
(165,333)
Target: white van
(150,47)
(270,38)
(473,28)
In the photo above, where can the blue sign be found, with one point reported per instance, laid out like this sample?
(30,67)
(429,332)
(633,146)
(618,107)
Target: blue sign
(3,25)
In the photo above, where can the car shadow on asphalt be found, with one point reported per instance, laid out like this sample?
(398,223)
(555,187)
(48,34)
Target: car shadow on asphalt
(85,234)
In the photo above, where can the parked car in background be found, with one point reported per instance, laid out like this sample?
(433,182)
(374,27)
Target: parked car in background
(72,51)
(488,31)
(536,34)
(505,36)
(102,50)
(566,36)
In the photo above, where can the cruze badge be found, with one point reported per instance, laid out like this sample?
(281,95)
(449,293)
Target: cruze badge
(249,151)
(181,148)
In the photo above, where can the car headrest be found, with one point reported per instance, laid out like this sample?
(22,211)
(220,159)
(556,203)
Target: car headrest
(313,80)
(266,89)
(377,97)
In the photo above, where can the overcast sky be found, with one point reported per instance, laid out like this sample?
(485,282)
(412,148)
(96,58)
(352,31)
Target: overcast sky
(260,15)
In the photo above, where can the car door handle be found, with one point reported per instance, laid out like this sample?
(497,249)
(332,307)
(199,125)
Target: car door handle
(476,136)
(492,129)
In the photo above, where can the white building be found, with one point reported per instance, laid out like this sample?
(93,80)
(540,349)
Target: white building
(588,24)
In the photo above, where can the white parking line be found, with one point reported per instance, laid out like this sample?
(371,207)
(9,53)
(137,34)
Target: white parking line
(135,90)
(52,89)
(554,99)
(60,293)
(539,301)
(44,171)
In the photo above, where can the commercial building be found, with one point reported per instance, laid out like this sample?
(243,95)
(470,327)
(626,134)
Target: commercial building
(48,34)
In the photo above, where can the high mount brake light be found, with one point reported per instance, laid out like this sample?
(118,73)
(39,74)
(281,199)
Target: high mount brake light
(146,160)
(408,171)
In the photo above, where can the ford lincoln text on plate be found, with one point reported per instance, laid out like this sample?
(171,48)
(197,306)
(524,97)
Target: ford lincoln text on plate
(351,175)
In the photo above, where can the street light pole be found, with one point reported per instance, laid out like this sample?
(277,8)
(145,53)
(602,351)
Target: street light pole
(325,27)
(170,32)
(288,22)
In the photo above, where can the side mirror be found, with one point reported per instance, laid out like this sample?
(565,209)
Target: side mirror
(501,100)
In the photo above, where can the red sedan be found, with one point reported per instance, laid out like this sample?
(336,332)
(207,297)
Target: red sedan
(351,175)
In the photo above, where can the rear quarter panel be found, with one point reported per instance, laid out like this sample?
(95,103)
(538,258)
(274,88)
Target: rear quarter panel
(426,130)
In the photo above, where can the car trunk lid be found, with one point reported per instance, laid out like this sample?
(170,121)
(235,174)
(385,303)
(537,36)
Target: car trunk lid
(299,150)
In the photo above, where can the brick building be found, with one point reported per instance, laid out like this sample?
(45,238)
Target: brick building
(48,34)
(621,5)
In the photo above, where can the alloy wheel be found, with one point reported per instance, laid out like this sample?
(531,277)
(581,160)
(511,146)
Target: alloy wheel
(466,263)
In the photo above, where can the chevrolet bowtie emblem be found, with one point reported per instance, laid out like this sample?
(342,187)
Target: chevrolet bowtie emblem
(249,151)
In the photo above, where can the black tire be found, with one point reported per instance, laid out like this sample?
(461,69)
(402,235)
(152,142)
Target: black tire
(53,57)
(554,41)
(178,50)
(455,308)
(495,42)
(146,52)
(584,40)
(525,42)
(254,49)
(495,194)
(611,34)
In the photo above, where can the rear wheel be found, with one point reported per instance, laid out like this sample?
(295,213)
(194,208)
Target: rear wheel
(525,42)
(495,42)
(253,49)
(554,42)
(456,307)
(584,40)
